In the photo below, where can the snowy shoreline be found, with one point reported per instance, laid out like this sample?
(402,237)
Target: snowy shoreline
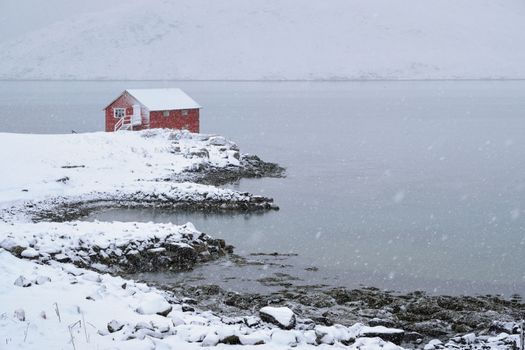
(57,292)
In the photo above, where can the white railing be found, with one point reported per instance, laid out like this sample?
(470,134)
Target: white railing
(522,336)
(124,123)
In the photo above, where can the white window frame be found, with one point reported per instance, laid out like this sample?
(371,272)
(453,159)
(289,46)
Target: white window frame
(165,114)
(184,112)
(116,113)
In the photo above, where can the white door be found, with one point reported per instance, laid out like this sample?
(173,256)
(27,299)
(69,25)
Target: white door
(136,118)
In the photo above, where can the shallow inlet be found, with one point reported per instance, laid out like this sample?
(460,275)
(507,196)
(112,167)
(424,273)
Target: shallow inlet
(399,185)
(310,255)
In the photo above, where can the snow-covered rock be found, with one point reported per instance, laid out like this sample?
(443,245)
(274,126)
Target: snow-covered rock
(30,253)
(388,334)
(115,326)
(40,280)
(21,281)
(280,316)
(284,338)
(154,304)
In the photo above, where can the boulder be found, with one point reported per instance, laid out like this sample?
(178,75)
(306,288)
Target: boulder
(388,334)
(231,340)
(284,338)
(381,322)
(21,281)
(30,253)
(115,326)
(211,339)
(280,316)
(153,303)
(42,280)
(217,141)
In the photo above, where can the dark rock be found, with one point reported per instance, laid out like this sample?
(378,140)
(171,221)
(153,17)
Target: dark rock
(413,337)
(461,328)
(115,326)
(423,307)
(450,303)
(381,322)
(395,337)
(165,312)
(231,340)
(190,300)
(187,308)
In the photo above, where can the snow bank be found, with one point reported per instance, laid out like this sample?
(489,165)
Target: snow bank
(44,165)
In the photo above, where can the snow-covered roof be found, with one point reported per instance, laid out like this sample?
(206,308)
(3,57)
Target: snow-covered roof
(163,99)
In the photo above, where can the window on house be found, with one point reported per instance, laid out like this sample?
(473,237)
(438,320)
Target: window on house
(166,113)
(184,112)
(119,112)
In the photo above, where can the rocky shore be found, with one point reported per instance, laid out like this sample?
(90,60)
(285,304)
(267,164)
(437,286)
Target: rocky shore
(182,197)
(250,167)
(113,247)
(422,317)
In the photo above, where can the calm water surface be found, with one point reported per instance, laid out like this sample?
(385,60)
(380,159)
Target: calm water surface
(400,185)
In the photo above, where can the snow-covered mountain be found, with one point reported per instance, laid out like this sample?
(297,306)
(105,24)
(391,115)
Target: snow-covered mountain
(263,39)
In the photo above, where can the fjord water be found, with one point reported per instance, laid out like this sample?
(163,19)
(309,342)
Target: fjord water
(399,185)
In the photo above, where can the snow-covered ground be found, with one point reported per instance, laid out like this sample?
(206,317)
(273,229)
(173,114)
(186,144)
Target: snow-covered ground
(262,39)
(40,167)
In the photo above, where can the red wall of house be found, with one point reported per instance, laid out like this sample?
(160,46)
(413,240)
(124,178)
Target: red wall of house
(124,101)
(175,120)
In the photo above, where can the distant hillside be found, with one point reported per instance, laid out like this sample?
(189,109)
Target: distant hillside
(263,39)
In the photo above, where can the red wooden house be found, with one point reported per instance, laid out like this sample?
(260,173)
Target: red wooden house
(138,109)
